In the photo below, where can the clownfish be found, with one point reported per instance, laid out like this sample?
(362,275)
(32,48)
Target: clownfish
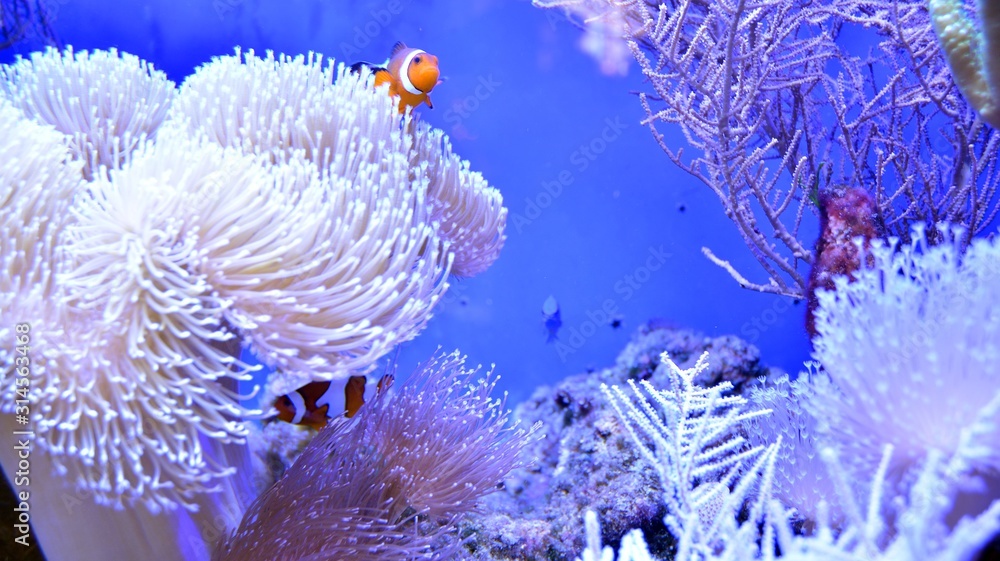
(410,73)
(315,403)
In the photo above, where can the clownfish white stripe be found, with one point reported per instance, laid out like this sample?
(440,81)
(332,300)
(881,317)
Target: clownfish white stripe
(300,407)
(404,72)
(335,397)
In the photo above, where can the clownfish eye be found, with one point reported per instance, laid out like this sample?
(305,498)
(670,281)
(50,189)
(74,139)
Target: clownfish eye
(285,401)
(417,59)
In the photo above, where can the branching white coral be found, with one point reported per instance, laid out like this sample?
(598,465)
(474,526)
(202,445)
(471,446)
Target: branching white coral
(105,101)
(633,546)
(921,531)
(916,525)
(690,434)
(911,350)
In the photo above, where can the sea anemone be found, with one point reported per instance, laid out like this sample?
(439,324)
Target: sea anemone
(911,356)
(385,485)
(105,101)
(149,277)
(38,179)
(275,106)
(150,369)
(470,212)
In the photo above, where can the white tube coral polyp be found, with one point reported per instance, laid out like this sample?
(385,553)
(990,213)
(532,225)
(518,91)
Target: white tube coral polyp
(911,350)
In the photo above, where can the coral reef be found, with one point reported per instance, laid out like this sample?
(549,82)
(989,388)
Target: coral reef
(903,412)
(586,459)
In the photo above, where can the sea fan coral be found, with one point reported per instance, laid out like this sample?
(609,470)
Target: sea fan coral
(106,101)
(779,98)
(384,485)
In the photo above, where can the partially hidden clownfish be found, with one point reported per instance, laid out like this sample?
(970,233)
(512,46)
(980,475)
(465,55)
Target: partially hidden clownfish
(315,403)
(410,73)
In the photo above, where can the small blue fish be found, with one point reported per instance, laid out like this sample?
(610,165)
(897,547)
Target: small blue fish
(551,318)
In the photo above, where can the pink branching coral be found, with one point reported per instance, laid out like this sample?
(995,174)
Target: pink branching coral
(385,485)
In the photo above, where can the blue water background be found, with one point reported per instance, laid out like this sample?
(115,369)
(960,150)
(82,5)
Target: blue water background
(521,102)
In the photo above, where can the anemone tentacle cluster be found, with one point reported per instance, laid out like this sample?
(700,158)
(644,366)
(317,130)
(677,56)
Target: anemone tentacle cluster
(106,101)
(281,205)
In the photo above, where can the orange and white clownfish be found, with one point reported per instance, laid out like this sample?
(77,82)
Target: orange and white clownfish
(316,403)
(410,73)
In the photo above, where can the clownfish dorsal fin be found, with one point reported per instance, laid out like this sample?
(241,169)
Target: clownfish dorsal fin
(399,46)
(371,66)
